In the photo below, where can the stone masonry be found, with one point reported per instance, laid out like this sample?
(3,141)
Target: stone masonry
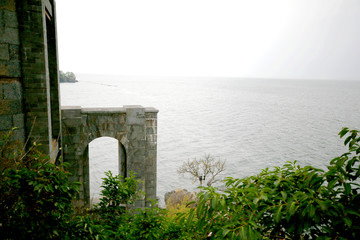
(29,101)
(29,86)
(134,127)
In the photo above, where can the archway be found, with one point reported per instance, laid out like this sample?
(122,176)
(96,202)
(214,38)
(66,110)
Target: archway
(104,155)
(133,129)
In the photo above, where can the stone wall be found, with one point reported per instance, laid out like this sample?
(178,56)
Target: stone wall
(134,127)
(11,109)
(29,85)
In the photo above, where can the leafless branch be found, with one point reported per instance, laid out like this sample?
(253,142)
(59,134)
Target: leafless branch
(207,166)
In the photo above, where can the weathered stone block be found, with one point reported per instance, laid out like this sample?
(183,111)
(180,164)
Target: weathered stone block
(71,111)
(10,68)
(7,5)
(19,135)
(135,115)
(72,122)
(14,69)
(18,120)
(151,122)
(5,107)
(15,106)
(4,51)
(8,18)
(5,122)
(12,90)
(4,68)
(14,52)
(76,139)
(150,130)
(9,35)
(72,130)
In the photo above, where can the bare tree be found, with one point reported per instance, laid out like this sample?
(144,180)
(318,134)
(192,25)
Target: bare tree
(206,167)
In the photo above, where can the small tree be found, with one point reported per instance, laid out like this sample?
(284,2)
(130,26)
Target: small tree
(201,168)
(118,192)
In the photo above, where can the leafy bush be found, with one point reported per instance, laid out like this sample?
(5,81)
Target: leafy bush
(289,202)
(120,222)
(118,193)
(178,203)
(35,200)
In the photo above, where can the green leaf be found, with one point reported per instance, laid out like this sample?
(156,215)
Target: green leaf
(347,187)
(348,221)
(353,213)
(214,202)
(225,232)
(347,140)
(293,208)
(311,211)
(343,132)
(277,215)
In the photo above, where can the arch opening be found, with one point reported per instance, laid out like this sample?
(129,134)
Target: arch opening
(105,154)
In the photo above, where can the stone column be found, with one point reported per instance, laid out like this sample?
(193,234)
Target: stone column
(73,151)
(150,154)
(136,136)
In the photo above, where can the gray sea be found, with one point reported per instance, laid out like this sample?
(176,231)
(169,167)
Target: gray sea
(252,123)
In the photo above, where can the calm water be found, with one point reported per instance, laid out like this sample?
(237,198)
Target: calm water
(251,123)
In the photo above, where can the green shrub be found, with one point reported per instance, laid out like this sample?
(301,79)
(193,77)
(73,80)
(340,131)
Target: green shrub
(35,200)
(178,203)
(289,202)
(117,196)
(120,222)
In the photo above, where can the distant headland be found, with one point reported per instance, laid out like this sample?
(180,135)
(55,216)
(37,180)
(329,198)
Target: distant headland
(67,77)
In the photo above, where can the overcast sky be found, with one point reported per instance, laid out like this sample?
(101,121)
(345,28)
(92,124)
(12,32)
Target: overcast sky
(303,39)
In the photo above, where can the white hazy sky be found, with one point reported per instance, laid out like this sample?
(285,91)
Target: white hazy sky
(304,39)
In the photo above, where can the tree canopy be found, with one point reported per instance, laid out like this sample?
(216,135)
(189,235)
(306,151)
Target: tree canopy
(67,77)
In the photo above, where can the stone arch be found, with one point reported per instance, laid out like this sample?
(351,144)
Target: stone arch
(121,164)
(111,156)
(134,127)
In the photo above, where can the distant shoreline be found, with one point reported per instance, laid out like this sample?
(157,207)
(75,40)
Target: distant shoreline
(72,81)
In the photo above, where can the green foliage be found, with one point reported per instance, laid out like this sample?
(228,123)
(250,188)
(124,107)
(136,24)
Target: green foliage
(113,219)
(289,202)
(35,200)
(67,77)
(152,223)
(117,193)
(178,203)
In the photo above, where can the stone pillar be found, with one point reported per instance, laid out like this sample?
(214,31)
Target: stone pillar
(142,148)
(150,154)
(136,136)
(73,151)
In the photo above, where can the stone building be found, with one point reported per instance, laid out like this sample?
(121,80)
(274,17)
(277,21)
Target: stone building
(29,101)
(29,86)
